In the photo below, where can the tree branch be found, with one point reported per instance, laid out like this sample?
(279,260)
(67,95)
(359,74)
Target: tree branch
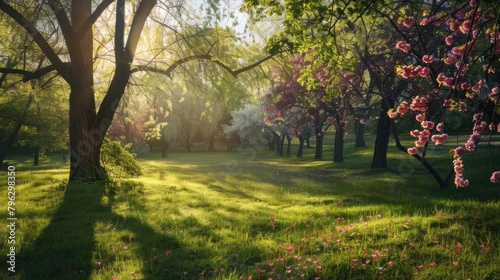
(28,75)
(138,22)
(87,25)
(47,50)
(62,19)
(168,72)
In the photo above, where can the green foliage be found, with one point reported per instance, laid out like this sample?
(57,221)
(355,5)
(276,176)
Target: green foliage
(118,161)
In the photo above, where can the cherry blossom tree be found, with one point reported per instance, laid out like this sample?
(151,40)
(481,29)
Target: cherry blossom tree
(452,54)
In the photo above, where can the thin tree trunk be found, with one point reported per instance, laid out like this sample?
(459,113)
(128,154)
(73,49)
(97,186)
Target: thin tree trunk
(36,156)
(300,151)
(289,145)
(319,143)
(360,135)
(338,150)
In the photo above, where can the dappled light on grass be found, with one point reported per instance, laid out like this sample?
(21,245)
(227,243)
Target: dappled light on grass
(230,217)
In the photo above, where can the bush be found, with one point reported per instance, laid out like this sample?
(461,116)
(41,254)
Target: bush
(118,161)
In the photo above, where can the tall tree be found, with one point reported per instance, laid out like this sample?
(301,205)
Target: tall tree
(75,20)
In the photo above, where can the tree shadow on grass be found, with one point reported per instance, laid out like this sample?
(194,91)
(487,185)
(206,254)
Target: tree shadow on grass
(66,247)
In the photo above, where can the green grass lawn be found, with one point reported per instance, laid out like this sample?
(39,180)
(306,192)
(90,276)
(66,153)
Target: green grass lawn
(249,214)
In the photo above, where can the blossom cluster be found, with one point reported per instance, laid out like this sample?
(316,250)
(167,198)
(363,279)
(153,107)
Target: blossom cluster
(450,76)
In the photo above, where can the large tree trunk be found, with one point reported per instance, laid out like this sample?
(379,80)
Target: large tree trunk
(384,126)
(338,150)
(379,159)
(84,136)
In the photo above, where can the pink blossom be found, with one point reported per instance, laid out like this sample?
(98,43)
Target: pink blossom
(477,87)
(449,40)
(470,146)
(459,169)
(403,46)
(390,264)
(450,59)
(420,143)
(419,104)
(406,71)
(460,182)
(495,177)
(428,58)
(403,107)
(473,3)
(455,25)
(409,21)
(447,102)
(465,27)
(415,133)
(459,152)
(420,117)
(457,51)
(477,117)
(424,72)
(465,86)
(413,151)
(475,137)
(440,126)
(427,124)
(392,115)
(439,139)
(426,21)
(495,94)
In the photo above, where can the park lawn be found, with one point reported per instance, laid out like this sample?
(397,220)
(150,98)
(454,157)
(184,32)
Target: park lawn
(250,214)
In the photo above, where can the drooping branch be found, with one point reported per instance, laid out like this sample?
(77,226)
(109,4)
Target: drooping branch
(47,50)
(168,72)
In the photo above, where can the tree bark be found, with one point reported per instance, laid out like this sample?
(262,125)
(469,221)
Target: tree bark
(379,159)
(319,142)
(85,137)
(360,134)
(300,151)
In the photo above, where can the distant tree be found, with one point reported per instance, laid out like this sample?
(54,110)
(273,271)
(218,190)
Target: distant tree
(248,123)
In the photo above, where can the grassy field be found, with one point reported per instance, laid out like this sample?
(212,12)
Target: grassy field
(249,214)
